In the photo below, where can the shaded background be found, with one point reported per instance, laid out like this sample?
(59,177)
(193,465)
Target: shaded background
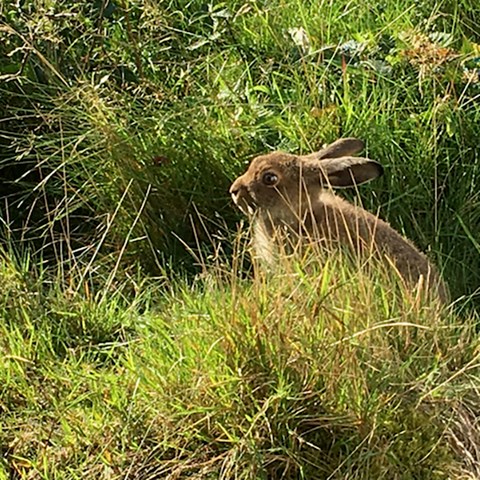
(122,124)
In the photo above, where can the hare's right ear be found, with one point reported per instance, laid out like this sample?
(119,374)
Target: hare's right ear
(349,171)
(340,148)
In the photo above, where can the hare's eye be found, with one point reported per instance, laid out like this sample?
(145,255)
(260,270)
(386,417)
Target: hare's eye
(270,179)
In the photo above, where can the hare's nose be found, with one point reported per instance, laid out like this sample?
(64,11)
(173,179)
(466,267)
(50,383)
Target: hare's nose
(236,187)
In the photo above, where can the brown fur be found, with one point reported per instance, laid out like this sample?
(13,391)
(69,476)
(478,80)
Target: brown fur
(289,197)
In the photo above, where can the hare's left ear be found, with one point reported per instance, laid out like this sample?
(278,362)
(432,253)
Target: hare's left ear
(339,148)
(346,171)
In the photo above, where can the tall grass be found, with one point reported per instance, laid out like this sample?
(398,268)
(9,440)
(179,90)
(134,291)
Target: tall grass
(132,117)
(137,339)
(321,370)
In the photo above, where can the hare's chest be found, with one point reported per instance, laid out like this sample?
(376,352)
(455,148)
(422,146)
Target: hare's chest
(263,243)
(279,236)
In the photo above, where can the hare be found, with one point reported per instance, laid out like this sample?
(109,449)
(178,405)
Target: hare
(289,197)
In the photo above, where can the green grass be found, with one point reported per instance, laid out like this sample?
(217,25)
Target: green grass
(137,340)
(319,371)
(132,118)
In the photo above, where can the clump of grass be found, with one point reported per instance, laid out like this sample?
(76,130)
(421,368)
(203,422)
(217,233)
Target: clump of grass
(314,373)
(62,390)
(321,369)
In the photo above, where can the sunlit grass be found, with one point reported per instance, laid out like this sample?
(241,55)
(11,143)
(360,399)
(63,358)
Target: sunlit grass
(316,370)
(137,338)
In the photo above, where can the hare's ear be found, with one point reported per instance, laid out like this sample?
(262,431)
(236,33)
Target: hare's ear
(339,148)
(349,171)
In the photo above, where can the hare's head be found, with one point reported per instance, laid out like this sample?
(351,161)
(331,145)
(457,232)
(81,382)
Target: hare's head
(278,179)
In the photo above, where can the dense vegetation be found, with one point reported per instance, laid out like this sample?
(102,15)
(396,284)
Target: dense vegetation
(137,340)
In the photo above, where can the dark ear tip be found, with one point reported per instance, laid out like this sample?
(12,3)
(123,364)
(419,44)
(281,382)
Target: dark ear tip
(379,168)
(351,143)
(360,144)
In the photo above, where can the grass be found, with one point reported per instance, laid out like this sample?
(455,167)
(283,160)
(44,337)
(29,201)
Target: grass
(320,371)
(137,338)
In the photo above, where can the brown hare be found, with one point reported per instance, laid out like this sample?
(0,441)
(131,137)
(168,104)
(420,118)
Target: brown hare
(290,201)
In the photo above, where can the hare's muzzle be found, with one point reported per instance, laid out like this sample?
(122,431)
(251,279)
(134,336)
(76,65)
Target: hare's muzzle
(241,197)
